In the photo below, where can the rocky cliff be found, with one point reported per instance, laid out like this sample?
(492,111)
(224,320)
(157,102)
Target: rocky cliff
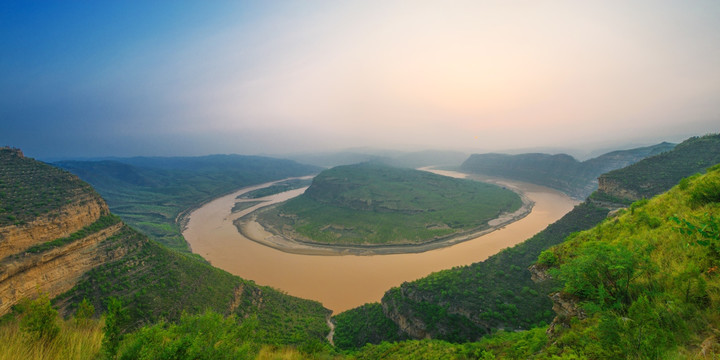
(56,270)
(53,229)
(82,211)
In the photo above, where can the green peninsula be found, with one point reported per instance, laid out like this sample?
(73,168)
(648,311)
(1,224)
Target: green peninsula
(375,204)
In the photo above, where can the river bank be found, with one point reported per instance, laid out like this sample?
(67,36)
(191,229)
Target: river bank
(344,282)
(250,228)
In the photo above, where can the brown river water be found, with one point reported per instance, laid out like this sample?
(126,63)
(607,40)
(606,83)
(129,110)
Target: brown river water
(344,282)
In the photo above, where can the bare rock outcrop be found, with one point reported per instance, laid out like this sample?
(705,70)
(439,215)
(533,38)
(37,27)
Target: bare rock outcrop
(54,271)
(566,307)
(81,212)
(613,188)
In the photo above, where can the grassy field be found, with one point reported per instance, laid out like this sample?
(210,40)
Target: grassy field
(377,204)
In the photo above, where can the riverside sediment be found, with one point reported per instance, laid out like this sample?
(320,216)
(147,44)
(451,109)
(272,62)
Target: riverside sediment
(249,227)
(344,282)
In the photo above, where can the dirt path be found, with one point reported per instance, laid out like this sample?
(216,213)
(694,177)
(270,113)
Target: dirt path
(331,334)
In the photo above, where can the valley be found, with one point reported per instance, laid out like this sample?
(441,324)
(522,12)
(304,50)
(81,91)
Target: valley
(344,282)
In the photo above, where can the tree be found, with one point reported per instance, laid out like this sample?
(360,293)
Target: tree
(40,320)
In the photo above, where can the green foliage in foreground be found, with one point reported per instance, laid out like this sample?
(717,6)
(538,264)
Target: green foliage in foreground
(377,204)
(648,279)
(203,336)
(155,283)
(501,345)
(75,339)
(150,193)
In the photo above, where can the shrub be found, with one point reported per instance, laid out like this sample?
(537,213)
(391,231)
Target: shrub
(40,320)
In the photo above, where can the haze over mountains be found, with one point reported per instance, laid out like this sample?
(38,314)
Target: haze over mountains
(211,180)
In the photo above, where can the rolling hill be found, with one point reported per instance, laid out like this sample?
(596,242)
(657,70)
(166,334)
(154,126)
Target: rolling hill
(375,204)
(561,171)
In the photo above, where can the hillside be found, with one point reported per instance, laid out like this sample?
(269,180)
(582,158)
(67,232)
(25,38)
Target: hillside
(52,228)
(561,171)
(642,284)
(68,246)
(376,204)
(471,301)
(151,193)
(647,178)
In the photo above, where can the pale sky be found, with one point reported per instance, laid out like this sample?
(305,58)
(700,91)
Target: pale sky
(273,77)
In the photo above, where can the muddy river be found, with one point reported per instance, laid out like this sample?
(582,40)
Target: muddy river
(347,281)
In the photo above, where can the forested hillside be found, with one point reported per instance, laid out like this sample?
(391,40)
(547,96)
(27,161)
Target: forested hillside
(64,244)
(561,171)
(465,303)
(647,178)
(150,193)
(643,284)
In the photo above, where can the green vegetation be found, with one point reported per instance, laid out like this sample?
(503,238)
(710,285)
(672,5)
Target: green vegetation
(649,289)
(501,345)
(496,293)
(151,193)
(276,188)
(154,283)
(240,206)
(501,288)
(657,174)
(465,303)
(30,188)
(561,171)
(27,335)
(365,324)
(377,204)
(204,336)
(101,223)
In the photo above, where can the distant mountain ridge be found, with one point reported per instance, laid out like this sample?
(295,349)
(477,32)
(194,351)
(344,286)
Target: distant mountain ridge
(561,171)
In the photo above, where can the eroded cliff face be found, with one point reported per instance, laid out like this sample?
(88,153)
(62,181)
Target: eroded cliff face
(56,270)
(409,324)
(39,204)
(615,189)
(82,211)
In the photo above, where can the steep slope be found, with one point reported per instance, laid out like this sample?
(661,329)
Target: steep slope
(463,304)
(643,284)
(647,178)
(152,193)
(561,171)
(60,239)
(52,228)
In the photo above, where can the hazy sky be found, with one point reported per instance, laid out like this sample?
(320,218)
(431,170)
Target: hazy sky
(96,78)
